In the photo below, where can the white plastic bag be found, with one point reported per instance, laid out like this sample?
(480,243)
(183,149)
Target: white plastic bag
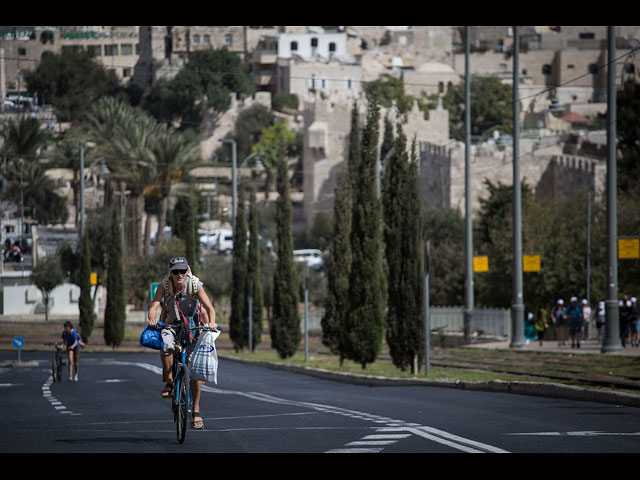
(204,359)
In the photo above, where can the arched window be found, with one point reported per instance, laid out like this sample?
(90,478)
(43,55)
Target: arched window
(294,46)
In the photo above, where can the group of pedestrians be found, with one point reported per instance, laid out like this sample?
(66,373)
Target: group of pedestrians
(576,318)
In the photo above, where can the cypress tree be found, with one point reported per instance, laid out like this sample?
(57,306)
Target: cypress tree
(367,290)
(115,311)
(285,323)
(339,263)
(85,303)
(253,269)
(238,327)
(403,242)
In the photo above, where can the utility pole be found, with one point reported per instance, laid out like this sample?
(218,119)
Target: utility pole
(517,308)
(612,342)
(468,284)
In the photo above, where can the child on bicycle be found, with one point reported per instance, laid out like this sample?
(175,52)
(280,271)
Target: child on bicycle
(71,340)
(179,282)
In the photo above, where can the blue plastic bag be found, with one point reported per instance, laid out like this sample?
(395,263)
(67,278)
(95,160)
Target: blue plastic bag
(151,338)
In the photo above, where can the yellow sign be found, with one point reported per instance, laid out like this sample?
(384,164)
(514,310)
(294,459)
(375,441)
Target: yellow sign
(629,248)
(531,263)
(93,278)
(481,264)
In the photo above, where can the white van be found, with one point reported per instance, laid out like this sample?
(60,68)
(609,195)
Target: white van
(210,238)
(224,244)
(311,256)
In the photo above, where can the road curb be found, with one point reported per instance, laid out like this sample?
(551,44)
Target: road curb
(539,389)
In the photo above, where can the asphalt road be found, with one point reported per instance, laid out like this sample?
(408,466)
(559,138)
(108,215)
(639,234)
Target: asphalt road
(115,407)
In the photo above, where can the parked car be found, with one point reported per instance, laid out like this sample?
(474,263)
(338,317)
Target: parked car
(311,256)
(210,238)
(224,244)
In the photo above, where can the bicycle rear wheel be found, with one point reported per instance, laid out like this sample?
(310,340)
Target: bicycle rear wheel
(182,412)
(56,367)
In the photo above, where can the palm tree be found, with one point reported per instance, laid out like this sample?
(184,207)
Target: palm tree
(174,154)
(23,138)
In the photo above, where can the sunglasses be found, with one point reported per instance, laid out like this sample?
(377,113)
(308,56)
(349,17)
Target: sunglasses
(179,272)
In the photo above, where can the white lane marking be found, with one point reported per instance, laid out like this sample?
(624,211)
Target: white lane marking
(55,403)
(429,433)
(577,434)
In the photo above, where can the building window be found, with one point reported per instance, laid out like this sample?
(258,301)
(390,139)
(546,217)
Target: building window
(586,35)
(196,39)
(228,39)
(314,42)
(126,72)
(110,50)
(593,69)
(94,50)
(207,39)
(332,47)
(546,69)
(126,49)
(294,46)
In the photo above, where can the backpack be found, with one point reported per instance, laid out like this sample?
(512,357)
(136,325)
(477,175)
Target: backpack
(80,342)
(188,300)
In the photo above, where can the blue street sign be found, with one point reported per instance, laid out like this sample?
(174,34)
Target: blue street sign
(18,342)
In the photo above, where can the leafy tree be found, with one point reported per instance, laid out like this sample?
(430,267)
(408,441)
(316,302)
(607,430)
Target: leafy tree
(491,106)
(403,242)
(268,150)
(115,311)
(46,276)
(387,90)
(285,324)
(72,82)
(367,290)
(238,323)
(628,132)
(444,228)
(41,201)
(22,139)
(208,78)
(248,130)
(334,321)
(254,276)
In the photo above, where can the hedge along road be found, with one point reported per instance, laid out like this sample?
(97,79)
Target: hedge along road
(116,407)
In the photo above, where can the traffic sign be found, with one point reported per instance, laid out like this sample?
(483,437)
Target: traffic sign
(481,264)
(629,247)
(18,342)
(152,290)
(531,262)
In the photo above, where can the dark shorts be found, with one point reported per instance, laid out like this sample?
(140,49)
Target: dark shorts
(574,329)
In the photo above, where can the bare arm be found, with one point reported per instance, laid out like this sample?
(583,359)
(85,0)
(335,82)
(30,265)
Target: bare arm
(204,298)
(155,304)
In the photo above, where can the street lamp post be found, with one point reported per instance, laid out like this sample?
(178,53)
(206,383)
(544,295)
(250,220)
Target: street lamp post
(122,195)
(234,180)
(517,308)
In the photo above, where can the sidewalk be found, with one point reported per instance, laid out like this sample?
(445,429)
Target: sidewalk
(551,346)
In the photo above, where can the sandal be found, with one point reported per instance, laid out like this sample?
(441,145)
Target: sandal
(196,424)
(166,391)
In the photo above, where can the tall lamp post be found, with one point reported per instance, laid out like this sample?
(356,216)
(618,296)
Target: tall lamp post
(612,340)
(234,180)
(517,308)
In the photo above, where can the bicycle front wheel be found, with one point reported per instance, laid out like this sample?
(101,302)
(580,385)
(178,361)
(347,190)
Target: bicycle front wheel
(182,413)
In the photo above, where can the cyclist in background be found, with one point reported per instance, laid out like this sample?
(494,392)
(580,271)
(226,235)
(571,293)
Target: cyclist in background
(179,282)
(72,341)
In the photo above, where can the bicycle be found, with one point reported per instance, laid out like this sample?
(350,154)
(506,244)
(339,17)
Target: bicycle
(56,362)
(181,397)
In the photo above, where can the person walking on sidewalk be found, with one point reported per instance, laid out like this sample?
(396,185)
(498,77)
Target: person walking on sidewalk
(559,321)
(601,316)
(586,318)
(541,323)
(574,319)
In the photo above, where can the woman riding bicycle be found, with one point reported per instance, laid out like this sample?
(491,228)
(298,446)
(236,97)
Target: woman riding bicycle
(180,283)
